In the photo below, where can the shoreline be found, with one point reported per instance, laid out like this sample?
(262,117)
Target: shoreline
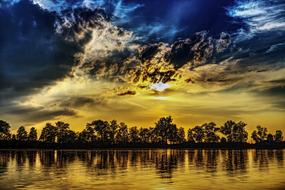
(18,145)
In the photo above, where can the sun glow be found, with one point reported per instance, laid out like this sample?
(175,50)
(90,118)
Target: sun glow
(160,87)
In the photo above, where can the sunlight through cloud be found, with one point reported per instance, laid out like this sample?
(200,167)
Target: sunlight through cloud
(160,87)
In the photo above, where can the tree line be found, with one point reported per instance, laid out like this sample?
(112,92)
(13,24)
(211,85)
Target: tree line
(163,132)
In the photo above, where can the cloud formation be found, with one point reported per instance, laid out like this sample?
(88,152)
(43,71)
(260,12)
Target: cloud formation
(259,16)
(86,58)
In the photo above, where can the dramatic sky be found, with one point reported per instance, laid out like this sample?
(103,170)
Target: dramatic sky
(138,60)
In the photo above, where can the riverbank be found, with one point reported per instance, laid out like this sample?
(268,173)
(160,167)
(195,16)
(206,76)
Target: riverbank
(43,145)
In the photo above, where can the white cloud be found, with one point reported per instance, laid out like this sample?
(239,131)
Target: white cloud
(260,15)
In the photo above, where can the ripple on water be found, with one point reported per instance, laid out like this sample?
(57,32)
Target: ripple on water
(142,169)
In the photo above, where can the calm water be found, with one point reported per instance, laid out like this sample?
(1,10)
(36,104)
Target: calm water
(142,169)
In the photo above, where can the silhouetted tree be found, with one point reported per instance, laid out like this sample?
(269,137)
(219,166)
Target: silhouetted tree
(190,135)
(83,137)
(210,130)
(145,135)
(22,134)
(122,134)
(134,135)
(112,130)
(64,134)
(259,135)
(4,130)
(270,138)
(166,130)
(49,133)
(196,134)
(235,132)
(153,136)
(255,137)
(101,128)
(205,133)
(70,137)
(181,135)
(33,135)
(87,135)
(278,137)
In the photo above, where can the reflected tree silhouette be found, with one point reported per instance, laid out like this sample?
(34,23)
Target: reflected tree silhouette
(134,158)
(262,158)
(21,158)
(32,156)
(207,160)
(204,160)
(191,157)
(47,158)
(235,161)
(5,158)
(212,160)
(199,159)
(122,158)
(63,158)
(88,159)
(279,156)
(165,161)
(102,161)
(112,161)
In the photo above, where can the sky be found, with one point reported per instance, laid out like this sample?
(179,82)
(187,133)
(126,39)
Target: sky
(138,60)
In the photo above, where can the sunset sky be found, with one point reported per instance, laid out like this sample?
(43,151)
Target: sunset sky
(138,60)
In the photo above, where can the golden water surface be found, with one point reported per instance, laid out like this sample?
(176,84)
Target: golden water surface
(142,169)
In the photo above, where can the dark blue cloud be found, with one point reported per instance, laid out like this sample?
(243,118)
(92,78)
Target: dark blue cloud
(259,40)
(169,20)
(157,20)
(31,54)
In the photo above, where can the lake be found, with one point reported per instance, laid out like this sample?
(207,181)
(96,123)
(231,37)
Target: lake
(159,169)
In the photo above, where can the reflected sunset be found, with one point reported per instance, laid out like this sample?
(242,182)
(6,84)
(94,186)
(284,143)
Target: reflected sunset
(161,169)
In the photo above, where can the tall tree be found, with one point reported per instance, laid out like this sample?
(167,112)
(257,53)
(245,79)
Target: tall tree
(259,135)
(204,133)
(22,134)
(113,127)
(49,133)
(134,135)
(153,138)
(87,135)
(166,130)
(278,137)
(196,134)
(101,127)
(63,131)
(190,135)
(235,132)
(270,138)
(122,134)
(33,135)
(145,135)
(70,137)
(211,130)
(181,135)
(4,130)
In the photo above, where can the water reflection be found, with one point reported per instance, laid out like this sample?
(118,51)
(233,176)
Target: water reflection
(164,164)
(4,161)
(236,161)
